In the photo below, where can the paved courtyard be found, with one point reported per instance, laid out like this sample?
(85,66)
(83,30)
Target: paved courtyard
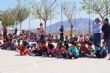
(11,62)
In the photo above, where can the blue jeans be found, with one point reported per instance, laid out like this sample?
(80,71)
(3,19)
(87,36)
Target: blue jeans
(75,55)
(97,39)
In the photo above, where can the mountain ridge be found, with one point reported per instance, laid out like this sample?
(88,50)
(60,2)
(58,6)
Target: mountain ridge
(77,23)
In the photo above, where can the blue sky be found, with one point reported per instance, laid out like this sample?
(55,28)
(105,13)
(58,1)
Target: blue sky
(7,4)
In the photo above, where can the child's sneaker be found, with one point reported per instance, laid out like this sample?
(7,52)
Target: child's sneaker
(108,57)
(50,56)
(72,58)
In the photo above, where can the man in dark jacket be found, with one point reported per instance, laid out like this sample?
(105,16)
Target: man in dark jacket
(106,31)
(62,33)
(16,30)
(4,34)
(4,31)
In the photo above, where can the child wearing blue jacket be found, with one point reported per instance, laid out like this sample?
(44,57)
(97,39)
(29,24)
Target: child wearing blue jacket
(74,51)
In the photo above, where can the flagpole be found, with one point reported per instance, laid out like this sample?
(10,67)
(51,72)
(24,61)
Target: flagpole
(51,14)
(29,22)
(61,15)
(89,20)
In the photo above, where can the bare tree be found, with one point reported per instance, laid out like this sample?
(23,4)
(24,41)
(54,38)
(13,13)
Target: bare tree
(19,15)
(43,9)
(100,7)
(68,10)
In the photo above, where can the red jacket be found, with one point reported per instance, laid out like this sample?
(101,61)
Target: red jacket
(84,49)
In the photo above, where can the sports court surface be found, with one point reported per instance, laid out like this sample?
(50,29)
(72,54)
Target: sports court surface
(11,62)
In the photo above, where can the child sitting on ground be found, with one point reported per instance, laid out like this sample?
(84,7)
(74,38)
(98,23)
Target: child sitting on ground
(23,50)
(78,46)
(74,51)
(65,52)
(0,43)
(35,49)
(84,51)
(59,50)
(13,44)
(91,49)
(51,48)
(101,52)
(43,49)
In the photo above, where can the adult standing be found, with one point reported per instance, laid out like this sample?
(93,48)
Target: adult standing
(42,32)
(0,29)
(15,31)
(106,31)
(97,32)
(4,32)
(62,33)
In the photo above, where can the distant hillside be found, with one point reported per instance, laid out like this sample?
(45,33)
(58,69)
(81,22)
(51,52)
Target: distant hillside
(80,25)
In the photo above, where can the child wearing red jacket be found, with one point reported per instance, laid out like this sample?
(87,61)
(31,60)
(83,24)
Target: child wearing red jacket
(84,50)
(0,43)
(23,50)
(43,49)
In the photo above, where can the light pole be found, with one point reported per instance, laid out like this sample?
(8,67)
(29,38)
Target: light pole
(89,18)
(61,14)
(19,5)
(107,9)
(0,24)
(74,17)
(30,22)
(51,12)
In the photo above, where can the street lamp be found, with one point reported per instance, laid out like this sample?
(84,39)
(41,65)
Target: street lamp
(0,23)
(29,22)
(50,13)
(0,27)
(0,16)
(89,18)
(18,12)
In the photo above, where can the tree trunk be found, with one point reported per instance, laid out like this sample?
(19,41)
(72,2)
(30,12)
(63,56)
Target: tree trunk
(16,23)
(102,18)
(20,27)
(45,23)
(71,28)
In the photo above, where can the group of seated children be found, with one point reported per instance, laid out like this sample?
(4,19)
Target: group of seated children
(9,44)
(68,51)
